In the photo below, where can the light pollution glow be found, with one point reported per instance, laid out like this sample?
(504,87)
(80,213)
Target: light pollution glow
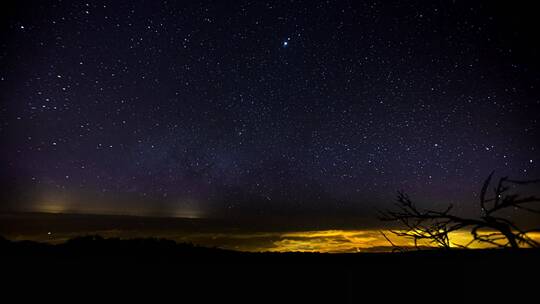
(331,241)
(60,203)
(328,241)
(336,241)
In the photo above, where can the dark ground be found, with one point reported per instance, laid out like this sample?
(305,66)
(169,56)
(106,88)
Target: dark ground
(158,267)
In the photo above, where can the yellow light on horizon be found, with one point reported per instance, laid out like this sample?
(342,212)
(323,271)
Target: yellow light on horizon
(335,241)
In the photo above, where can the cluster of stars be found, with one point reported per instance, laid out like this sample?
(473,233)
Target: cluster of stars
(210,101)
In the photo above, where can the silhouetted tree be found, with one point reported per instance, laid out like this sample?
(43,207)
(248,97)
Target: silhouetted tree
(490,227)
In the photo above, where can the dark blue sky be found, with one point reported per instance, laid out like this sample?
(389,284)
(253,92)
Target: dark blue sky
(257,107)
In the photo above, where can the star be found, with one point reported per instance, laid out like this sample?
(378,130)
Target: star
(278,109)
(286,42)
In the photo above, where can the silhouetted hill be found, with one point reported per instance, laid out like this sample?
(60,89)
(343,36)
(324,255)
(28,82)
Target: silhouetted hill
(94,248)
(307,275)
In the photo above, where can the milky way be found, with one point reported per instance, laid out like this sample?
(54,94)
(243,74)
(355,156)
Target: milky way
(256,107)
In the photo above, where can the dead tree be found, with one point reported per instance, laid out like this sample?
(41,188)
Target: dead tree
(433,227)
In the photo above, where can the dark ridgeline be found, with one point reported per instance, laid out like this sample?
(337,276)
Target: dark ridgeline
(153,264)
(94,248)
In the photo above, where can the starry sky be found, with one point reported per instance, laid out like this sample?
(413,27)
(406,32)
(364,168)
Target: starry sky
(228,108)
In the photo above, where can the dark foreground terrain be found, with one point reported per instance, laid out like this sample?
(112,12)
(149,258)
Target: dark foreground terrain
(97,264)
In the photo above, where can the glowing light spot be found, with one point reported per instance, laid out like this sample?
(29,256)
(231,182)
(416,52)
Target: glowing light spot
(286,42)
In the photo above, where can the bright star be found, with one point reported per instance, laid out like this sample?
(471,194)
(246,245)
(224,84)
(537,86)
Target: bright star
(286,42)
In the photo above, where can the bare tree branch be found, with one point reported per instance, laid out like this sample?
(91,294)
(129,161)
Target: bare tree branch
(433,227)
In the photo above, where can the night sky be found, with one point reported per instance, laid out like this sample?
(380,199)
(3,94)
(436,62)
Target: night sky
(258,108)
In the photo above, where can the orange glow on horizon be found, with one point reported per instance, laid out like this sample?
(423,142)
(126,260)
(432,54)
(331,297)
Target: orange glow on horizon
(341,241)
(326,241)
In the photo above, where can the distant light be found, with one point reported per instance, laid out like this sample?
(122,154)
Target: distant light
(49,233)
